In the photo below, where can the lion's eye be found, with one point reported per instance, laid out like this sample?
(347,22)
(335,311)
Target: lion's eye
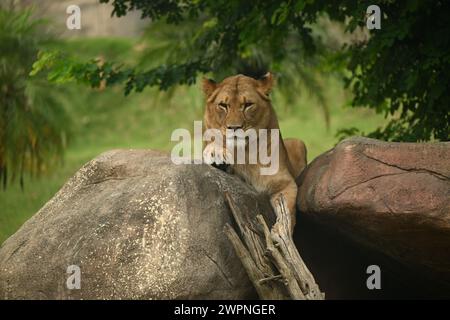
(223,105)
(248,105)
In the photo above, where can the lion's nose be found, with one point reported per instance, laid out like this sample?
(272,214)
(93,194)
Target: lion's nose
(234,126)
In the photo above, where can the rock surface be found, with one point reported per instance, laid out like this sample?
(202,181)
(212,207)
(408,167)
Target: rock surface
(392,197)
(139,227)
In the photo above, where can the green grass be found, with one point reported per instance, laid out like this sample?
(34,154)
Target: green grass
(105,120)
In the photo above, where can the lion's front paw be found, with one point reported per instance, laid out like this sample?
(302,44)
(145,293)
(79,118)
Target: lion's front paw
(214,154)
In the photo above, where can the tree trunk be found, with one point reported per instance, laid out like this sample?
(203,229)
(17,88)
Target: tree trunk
(270,257)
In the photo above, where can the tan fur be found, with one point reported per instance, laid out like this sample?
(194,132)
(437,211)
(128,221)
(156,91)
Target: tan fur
(235,92)
(296,150)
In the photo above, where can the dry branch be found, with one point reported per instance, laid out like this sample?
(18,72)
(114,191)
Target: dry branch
(270,257)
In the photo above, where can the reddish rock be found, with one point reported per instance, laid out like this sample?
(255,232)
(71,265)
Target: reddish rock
(392,197)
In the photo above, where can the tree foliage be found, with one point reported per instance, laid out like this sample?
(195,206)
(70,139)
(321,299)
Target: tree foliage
(32,122)
(400,70)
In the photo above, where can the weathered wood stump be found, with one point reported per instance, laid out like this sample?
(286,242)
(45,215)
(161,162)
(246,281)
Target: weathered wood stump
(270,257)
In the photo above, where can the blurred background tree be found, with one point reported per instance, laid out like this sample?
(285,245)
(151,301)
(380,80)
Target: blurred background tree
(332,73)
(400,70)
(33,122)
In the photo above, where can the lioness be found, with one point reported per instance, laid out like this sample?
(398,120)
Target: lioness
(241,102)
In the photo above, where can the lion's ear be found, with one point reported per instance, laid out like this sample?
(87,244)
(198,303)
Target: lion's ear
(208,86)
(266,83)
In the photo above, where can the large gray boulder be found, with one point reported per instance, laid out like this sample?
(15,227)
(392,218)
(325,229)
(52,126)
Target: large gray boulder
(138,227)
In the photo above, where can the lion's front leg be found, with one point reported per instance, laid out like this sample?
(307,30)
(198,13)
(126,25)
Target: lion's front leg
(289,193)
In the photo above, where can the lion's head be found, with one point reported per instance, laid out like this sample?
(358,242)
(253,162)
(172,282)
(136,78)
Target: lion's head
(239,102)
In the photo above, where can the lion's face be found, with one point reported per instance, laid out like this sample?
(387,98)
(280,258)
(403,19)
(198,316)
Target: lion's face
(238,102)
